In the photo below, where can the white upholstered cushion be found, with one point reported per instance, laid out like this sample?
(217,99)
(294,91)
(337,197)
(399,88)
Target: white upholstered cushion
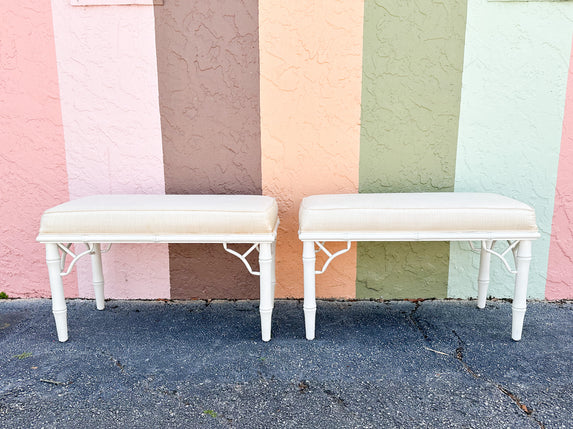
(417,212)
(162,214)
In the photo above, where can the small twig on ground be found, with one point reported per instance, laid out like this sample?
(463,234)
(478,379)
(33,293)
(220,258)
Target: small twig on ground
(436,351)
(57,383)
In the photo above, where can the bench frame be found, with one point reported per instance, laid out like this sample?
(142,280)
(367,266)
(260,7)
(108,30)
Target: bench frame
(58,248)
(519,242)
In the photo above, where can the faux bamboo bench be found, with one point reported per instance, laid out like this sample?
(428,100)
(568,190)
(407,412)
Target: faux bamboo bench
(108,219)
(419,217)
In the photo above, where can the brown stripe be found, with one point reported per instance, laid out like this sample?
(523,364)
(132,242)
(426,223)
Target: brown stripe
(208,69)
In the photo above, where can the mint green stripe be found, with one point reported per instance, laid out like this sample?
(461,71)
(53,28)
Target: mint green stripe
(515,78)
(411,84)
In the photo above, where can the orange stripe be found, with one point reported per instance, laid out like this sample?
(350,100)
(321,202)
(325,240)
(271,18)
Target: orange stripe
(311,70)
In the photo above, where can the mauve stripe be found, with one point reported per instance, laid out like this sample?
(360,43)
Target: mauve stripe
(208,68)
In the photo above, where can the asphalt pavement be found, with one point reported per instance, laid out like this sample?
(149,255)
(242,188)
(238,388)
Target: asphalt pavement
(187,364)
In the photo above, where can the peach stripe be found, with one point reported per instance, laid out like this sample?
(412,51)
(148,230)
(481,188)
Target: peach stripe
(560,268)
(311,70)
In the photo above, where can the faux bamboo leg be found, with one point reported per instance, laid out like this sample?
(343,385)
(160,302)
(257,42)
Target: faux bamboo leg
(56,285)
(309,260)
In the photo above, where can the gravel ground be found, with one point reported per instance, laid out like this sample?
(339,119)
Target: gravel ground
(142,364)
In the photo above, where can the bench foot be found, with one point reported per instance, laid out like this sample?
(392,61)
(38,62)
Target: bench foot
(523,260)
(518,315)
(57,287)
(61,318)
(266,322)
(309,322)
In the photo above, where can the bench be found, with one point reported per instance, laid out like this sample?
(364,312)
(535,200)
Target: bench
(481,217)
(109,219)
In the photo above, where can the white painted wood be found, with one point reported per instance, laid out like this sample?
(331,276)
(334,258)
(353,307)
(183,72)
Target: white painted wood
(309,263)
(56,285)
(265,242)
(97,277)
(157,238)
(116,2)
(483,276)
(266,289)
(520,238)
(520,293)
(274,270)
(417,236)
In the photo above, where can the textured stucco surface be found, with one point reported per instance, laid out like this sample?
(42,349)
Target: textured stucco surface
(560,266)
(108,86)
(413,56)
(515,73)
(311,61)
(32,154)
(208,67)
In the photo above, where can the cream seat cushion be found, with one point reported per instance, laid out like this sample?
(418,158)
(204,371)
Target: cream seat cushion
(420,212)
(162,214)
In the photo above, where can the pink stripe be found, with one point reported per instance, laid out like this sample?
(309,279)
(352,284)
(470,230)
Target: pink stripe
(32,158)
(108,80)
(560,267)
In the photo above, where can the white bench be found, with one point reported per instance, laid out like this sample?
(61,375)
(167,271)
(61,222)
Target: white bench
(108,219)
(419,217)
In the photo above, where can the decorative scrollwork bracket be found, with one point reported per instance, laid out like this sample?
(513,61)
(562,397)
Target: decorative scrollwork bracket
(243,257)
(512,245)
(331,256)
(66,251)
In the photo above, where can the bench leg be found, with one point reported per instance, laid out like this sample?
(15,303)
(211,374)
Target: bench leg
(309,260)
(97,276)
(519,305)
(483,277)
(274,270)
(266,289)
(57,288)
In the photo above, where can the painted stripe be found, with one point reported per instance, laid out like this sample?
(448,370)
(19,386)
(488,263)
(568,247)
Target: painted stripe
(32,163)
(310,113)
(108,86)
(208,65)
(413,55)
(560,269)
(514,82)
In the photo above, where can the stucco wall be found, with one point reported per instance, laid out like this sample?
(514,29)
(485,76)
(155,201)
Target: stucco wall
(310,111)
(354,96)
(560,269)
(32,153)
(413,56)
(208,65)
(108,87)
(513,93)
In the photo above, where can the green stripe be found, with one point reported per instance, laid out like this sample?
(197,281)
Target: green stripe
(411,86)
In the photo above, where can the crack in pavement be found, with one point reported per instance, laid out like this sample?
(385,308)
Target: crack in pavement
(459,355)
(335,397)
(415,322)
(523,407)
